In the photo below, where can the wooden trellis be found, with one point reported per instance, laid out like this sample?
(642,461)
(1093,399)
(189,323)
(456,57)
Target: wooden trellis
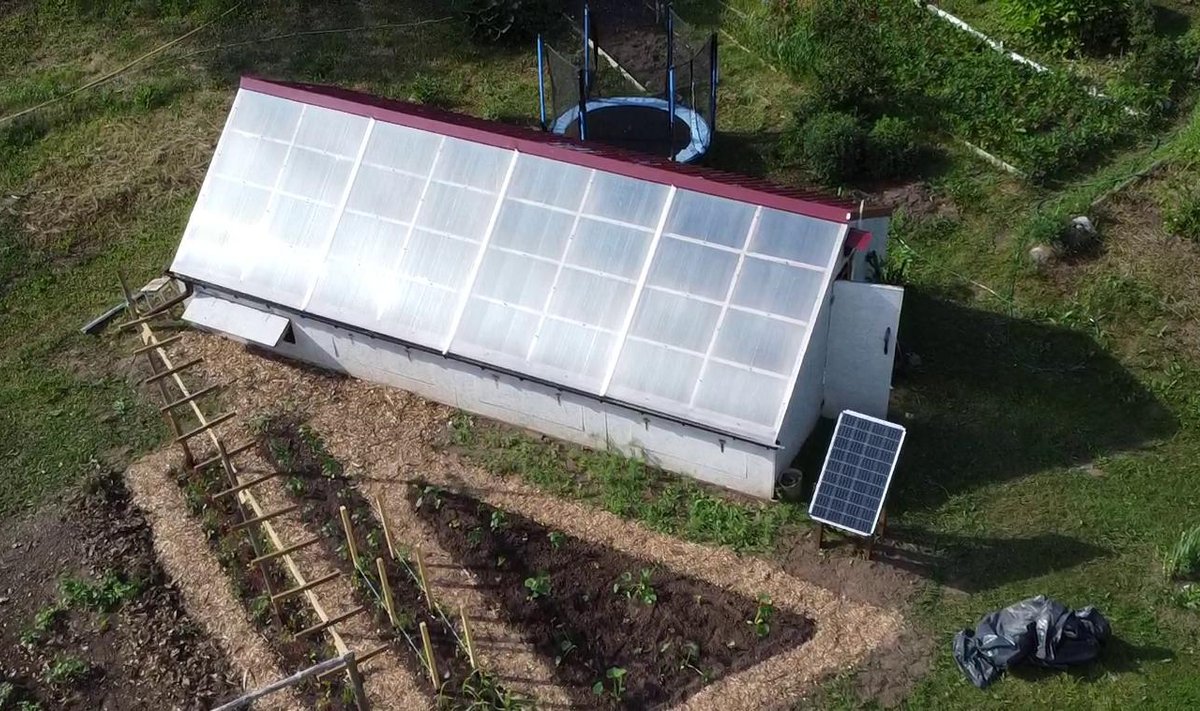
(166,376)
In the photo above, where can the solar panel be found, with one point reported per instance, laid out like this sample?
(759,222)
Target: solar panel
(858,469)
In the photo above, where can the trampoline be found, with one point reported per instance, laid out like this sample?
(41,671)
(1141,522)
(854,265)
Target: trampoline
(637,101)
(640,123)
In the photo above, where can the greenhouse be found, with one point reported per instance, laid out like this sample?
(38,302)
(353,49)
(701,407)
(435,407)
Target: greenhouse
(701,320)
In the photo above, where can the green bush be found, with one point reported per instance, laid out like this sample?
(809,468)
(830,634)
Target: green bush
(826,40)
(509,21)
(1072,26)
(891,147)
(832,146)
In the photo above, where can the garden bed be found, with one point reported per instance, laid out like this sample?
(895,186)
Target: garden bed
(639,635)
(234,551)
(319,482)
(87,614)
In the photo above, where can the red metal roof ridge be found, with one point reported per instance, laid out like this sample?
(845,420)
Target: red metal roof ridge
(706,180)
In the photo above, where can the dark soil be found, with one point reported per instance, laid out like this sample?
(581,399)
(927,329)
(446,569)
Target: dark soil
(638,128)
(235,551)
(140,651)
(319,482)
(691,634)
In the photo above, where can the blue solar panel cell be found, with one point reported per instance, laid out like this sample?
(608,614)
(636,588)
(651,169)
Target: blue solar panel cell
(858,469)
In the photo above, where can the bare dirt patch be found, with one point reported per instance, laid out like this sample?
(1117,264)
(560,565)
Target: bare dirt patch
(138,651)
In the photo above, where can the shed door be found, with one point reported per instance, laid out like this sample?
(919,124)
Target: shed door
(864,319)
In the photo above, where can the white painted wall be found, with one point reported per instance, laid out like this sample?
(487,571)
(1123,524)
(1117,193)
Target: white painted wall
(804,409)
(704,455)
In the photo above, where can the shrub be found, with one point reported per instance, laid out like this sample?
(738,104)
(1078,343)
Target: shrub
(828,43)
(891,147)
(1072,26)
(832,146)
(1181,217)
(508,21)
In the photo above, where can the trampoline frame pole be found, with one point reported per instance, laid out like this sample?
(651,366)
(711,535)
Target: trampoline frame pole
(582,105)
(712,91)
(541,81)
(670,81)
(587,37)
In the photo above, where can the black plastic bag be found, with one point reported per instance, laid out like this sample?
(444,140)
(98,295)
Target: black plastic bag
(1039,631)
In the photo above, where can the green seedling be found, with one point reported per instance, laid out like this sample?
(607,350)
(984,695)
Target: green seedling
(499,520)
(43,622)
(641,590)
(565,647)
(475,536)
(295,485)
(556,539)
(616,683)
(104,596)
(539,585)
(432,494)
(65,671)
(762,616)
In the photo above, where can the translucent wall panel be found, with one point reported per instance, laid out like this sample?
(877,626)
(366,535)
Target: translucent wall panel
(686,304)
(565,256)
(728,305)
(413,225)
(269,203)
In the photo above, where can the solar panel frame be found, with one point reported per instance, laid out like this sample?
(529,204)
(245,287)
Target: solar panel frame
(824,481)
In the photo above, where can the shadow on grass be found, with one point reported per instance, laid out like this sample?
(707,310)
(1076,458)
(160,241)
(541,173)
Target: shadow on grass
(976,563)
(1117,657)
(997,398)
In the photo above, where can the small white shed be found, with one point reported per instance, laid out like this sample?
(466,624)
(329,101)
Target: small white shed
(701,320)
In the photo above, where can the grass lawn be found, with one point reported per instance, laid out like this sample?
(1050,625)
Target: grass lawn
(1054,418)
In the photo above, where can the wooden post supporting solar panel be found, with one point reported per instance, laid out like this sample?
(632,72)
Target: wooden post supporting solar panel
(820,535)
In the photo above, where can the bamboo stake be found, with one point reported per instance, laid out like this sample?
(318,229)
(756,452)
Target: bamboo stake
(433,675)
(244,485)
(387,528)
(349,536)
(388,604)
(290,549)
(171,371)
(331,621)
(467,637)
(157,344)
(265,517)
(306,586)
(227,455)
(421,574)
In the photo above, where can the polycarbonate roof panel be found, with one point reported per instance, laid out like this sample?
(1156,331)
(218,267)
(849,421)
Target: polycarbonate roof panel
(683,303)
